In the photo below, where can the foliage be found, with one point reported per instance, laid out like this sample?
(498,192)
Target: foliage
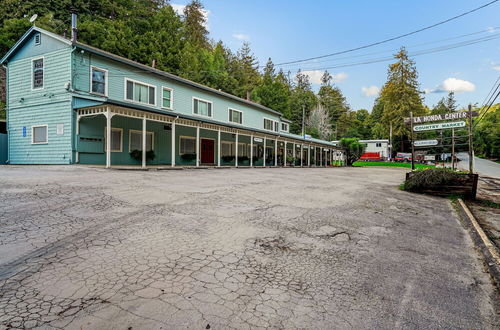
(290,159)
(137,155)
(228,159)
(188,157)
(432,178)
(487,134)
(302,101)
(318,123)
(391,164)
(331,98)
(352,149)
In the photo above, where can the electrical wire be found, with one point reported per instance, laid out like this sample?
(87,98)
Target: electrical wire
(390,39)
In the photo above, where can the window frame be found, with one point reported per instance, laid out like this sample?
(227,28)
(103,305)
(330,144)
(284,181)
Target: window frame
(378,144)
(202,100)
(189,138)
(130,131)
(92,67)
(38,39)
(287,127)
(121,138)
(133,92)
(46,134)
(33,73)
(273,125)
(231,148)
(229,109)
(171,98)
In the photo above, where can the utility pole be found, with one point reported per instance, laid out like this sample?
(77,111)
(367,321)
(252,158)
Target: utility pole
(412,146)
(471,154)
(303,118)
(390,140)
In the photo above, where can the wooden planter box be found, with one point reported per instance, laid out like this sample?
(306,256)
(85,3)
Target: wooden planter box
(466,186)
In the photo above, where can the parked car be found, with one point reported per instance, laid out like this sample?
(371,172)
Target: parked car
(403,157)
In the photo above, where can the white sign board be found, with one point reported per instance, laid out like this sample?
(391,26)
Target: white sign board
(430,157)
(60,129)
(258,140)
(307,136)
(423,143)
(431,127)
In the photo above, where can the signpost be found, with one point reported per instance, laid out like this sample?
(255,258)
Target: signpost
(442,117)
(429,127)
(425,143)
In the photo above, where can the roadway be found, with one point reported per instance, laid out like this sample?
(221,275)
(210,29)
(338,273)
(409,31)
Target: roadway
(482,166)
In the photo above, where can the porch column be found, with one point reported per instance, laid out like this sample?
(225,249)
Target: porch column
(301,155)
(264,159)
(276,152)
(109,115)
(285,154)
(251,150)
(308,156)
(197,146)
(77,160)
(294,154)
(218,147)
(236,152)
(173,144)
(321,157)
(143,142)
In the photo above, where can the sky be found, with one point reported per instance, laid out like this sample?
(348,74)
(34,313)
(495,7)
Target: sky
(292,30)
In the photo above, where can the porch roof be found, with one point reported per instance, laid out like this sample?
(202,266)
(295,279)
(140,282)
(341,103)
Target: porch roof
(139,111)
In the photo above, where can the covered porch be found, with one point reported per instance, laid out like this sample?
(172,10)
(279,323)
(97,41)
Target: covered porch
(112,135)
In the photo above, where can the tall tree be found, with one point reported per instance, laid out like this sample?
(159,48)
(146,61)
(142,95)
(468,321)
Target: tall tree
(401,95)
(247,74)
(274,90)
(318,123)
(195,24)
(332,99)
(302,101)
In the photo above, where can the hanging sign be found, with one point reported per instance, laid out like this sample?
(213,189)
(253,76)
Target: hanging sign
(441,117)
(424,143)
(258,139)
(431,127)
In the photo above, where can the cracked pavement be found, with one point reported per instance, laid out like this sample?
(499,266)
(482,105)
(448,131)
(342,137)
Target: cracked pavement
(285,248)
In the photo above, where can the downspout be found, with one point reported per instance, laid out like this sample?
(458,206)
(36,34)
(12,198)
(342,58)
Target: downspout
(7,110)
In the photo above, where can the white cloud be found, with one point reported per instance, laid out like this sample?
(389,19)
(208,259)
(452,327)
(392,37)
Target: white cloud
(315,76)
(179,9)
(496,67)
(370,91)
(454,85)
(491,29)
(241,36)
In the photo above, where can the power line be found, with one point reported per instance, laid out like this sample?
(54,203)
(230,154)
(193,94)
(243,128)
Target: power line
(390,39)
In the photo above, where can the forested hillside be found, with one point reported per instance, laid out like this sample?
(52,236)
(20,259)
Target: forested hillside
(147,30)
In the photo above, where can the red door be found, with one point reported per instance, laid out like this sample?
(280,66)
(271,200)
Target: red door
(207,151)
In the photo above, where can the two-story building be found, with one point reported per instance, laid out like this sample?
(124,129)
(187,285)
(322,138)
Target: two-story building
(68,103)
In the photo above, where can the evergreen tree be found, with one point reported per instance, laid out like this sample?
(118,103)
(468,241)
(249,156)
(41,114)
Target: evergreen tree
(274,90)
(401,95)
(302,100)
(195,24)
(247,73)
(331,98)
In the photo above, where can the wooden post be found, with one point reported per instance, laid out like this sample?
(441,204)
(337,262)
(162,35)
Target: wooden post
(108,138)
(471,155)
(276,152)
(453,149)
(236,151)
(143,142)
(411,141)
(264,155)
(218,147)
(172,142)
(251,150)
(198,145)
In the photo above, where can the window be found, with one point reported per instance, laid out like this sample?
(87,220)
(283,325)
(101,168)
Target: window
(235,116)
(284,127)
(378,144)
(116,139)
(227,149)
(202,108)
(37,73)
(135,141)
(243,150)
(271,125)
(140,92)
(38,39)
(187,145)
(166,98)
(39,134)
(99,81)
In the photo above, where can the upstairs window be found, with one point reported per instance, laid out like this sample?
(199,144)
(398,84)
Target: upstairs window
(271,125)
(140,92)
(202,107)
(99,81)
(38,39)
(284,127)
(166,98)
(37,73)
(235,116)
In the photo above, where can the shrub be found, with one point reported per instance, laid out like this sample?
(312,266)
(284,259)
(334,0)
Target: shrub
(432,178)
(352,148)
(137,155)
(188,157)
(243,158)
(290,159)
(228,159)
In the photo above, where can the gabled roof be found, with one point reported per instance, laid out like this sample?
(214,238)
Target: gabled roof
(26,36)
(172,76)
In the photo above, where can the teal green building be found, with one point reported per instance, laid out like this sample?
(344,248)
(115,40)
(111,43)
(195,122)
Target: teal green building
(69,103)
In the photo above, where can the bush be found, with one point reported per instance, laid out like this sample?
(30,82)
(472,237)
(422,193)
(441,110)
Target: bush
(433,178)
(352,148)
(290,160)
(137,155)
(228,159)
(243,158)
(188,157)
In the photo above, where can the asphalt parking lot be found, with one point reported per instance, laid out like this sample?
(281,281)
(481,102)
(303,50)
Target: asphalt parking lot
(321,248)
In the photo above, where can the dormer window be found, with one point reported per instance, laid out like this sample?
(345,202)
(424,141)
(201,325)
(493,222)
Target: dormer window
(99,79)
(284,127)
(38,39)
